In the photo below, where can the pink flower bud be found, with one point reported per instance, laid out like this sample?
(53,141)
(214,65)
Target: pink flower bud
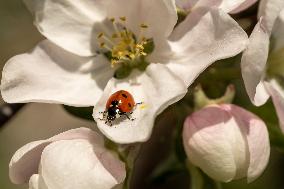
(227,142)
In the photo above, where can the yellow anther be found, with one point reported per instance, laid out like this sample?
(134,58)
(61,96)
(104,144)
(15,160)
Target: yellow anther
(102,44)
(100,35)
(114,36)
(123,18)
(112,20)
(143,26)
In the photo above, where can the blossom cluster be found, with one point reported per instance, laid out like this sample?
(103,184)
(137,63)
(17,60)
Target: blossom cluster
(132,59)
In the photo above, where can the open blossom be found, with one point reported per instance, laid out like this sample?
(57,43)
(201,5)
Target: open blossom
(89,42)
(262,67)
(71,160)
(227,142)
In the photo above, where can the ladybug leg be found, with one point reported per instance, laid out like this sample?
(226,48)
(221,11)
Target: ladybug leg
(126,115)
(138,103)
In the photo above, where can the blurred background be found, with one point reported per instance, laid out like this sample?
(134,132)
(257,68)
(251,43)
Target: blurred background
(38,121)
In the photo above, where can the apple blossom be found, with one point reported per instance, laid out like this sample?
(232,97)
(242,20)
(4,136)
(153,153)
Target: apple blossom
(71,160)
(262,66)
(90,42)
(227,142)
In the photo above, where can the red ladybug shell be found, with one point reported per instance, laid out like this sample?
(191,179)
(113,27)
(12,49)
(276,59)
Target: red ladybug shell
(125,99)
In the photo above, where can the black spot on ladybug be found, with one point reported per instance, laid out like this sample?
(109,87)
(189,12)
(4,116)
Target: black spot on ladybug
(129,105)
(124,95)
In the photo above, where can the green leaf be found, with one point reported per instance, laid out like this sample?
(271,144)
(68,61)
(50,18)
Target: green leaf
(81,112)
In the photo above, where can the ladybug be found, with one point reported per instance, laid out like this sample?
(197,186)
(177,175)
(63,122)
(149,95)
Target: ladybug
(120,103)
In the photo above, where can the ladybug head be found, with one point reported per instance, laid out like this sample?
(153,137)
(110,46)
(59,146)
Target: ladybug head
(113,112)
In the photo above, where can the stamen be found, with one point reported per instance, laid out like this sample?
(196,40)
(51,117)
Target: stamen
(123,44)
(141,38)
(100,35)
(114,25)
(108,40)
(123,18)
(103,45)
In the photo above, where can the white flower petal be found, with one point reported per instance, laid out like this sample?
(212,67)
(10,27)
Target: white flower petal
(74,164)
(159,15)
(277,94)
(253,65)
(216,36)
(75,25)
(246,4)
(269,10)
(278,31)
(257,139)
(25,161)
(67,23)
(50,74)
(33,183)
(157,88)
(36,182)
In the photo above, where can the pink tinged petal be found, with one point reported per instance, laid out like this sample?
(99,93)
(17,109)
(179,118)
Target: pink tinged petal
(213,141)
(277,94)
(257,139)
(67,23)
(186,4)
(243,6)
(229,5)
(157,88)
(216,36)
(278,31)
(50,74)
(224,5)
(269,10)
(25,161)
(73,164)
(253,65)
(227,142)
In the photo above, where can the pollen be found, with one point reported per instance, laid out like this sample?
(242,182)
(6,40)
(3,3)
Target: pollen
(143,106)
(123,45)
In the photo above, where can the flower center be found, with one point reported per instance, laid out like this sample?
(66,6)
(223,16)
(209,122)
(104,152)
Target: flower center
(122,46)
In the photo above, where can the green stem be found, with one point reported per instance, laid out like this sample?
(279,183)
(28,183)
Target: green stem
(218,185)
(196,177)
(129,155)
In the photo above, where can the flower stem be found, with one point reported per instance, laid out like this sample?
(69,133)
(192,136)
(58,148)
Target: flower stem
(129,154)
(218,185)
(196,177)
